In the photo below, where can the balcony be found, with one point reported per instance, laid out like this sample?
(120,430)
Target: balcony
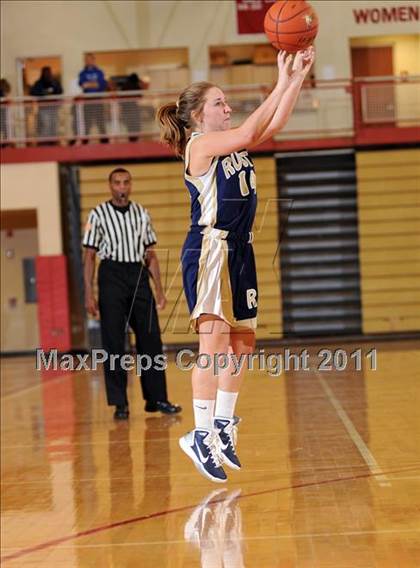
(384,110)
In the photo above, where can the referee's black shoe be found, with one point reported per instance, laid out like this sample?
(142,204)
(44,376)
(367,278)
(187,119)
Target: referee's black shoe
(121,412)
(162,406)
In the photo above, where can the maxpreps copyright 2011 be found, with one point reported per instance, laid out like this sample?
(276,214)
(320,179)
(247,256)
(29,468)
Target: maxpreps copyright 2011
(274,364)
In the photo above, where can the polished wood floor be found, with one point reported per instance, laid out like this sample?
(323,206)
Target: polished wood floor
(330,478)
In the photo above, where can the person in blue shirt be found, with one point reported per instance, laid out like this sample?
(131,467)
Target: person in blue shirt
(92,80)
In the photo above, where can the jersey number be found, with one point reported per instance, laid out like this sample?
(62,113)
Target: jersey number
(244,186)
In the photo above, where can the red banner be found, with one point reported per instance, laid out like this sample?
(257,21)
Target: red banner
(250,15)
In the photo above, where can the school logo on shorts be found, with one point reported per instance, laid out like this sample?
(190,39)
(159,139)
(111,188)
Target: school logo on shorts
(251,298)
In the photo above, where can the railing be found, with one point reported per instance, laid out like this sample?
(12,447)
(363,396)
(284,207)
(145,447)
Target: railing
(390,100)
(324,109)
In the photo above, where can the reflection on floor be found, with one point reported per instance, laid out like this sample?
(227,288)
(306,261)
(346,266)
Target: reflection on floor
(215,528)
(330,477)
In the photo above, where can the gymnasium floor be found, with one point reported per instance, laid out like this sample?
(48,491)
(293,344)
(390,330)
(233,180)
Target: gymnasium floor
(330,478)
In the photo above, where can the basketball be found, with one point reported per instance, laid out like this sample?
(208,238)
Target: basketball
(291,25)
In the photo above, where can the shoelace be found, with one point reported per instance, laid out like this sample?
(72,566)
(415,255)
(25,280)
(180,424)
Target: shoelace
(232,431)
(212,442)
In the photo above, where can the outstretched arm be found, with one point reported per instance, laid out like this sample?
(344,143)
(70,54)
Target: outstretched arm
(301,65)
(224,142)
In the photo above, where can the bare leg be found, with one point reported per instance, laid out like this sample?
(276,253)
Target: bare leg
(241,343)
(214,338)
(201,443)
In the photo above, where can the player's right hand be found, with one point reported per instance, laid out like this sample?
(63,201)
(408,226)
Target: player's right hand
(91,305)
(303,62)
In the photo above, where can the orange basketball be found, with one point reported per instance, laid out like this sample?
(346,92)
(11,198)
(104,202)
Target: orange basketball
(291,25)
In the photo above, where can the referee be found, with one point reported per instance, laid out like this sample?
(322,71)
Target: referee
(121,233)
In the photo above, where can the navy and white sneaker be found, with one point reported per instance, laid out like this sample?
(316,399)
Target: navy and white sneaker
(202,447)
(226,429)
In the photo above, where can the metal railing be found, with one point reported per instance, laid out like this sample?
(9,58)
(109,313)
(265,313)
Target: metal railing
(324,109)
(390,101)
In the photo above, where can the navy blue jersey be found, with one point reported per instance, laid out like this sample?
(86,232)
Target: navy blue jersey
(218,265)
(225,197)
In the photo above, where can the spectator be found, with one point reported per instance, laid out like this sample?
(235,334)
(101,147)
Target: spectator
(47,117)
(4,114)
(92,80)
(130,110)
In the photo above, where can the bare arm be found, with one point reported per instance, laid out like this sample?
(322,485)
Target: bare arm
(301,66)
(224,142)
(88,274)
(152,264)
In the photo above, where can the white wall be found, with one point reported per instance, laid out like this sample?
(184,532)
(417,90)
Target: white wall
(35,186)
(66,28)
(337,26)
(69,28)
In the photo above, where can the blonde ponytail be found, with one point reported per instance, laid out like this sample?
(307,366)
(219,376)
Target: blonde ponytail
(175,119)
(172,130)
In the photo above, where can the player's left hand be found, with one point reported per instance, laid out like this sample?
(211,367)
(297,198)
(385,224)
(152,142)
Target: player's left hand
(283,62)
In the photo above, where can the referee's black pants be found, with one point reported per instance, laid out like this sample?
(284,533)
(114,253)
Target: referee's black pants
(117,284)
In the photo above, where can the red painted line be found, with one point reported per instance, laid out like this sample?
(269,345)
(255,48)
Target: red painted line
(370,135)
(146,150)
(309,144)
(150,149)
(87,153)
(60,540)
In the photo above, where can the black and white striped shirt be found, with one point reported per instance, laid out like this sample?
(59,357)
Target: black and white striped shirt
(119,233)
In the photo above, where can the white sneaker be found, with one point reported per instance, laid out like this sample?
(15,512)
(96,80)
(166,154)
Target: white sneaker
(227,430)
(202,446)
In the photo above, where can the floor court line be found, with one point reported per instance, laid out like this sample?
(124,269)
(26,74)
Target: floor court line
(160,475)
(54,381)
(242,538)
(364,451)
(103,528)
(273,435)
(404,477)
(50,445)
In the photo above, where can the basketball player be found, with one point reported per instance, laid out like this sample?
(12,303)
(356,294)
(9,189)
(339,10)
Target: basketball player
(217,258)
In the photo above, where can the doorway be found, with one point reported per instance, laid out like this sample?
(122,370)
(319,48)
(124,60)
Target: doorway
(19,247)
(29,71)
(374,102)
(372,61)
